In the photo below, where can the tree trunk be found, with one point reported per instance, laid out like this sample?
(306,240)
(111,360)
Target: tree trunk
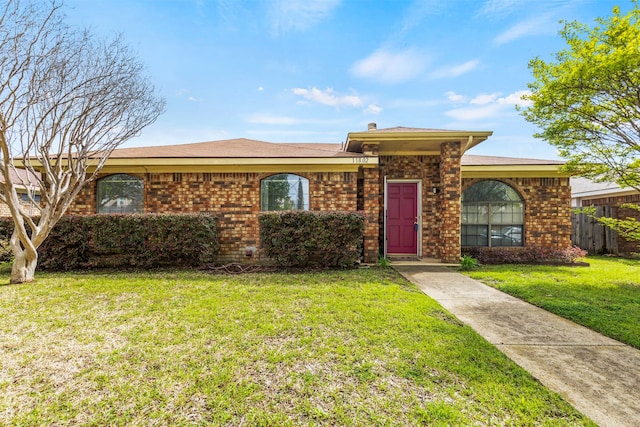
(24,267)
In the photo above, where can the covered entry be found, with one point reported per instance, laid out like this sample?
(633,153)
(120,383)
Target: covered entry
(402,222)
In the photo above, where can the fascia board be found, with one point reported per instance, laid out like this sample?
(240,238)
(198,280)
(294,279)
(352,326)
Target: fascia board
(231,169)
(514,171)
(416,136)
(209,164)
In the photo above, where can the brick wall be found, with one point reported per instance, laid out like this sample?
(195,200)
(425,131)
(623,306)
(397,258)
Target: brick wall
(372,208)
(625,247)
(234,197)
(450,193)
(372,203)
(27,206)
(547,202)
(547,209)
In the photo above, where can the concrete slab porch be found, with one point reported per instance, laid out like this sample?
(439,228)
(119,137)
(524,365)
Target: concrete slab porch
(416,261)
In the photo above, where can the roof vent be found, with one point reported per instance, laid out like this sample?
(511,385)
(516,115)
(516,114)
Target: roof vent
(372,126)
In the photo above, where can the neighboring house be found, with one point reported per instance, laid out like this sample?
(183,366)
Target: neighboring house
(22,181)
(421,195)
(608,199)
(585,192)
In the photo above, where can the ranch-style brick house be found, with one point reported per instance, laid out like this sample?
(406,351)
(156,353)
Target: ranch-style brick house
(423,197)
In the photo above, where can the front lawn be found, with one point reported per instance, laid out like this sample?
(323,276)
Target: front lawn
(358,347)
(604,297)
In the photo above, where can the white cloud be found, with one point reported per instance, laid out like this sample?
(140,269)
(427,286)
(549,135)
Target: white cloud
(498,7)
(484,99)
(486,106)
(516,99)
(455,97)
(415,13)
(260,88)
(474,113)
(535,26)
(192,99)
(390,67)
(373,109)
(455,70)
(328,97)
(299,15)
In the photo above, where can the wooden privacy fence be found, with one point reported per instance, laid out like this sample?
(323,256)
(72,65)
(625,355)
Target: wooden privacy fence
(588,234)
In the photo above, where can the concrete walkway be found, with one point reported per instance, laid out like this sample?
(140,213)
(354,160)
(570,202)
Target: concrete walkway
(597,375)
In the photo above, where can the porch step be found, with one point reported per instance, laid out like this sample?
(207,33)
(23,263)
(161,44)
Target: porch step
(413,260)
(402,258)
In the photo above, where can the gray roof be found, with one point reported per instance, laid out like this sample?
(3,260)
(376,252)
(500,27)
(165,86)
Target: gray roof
(586,188)
(235,148)
(250,148)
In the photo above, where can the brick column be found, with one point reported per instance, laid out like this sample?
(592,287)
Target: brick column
(372,202)
(372,212)
(450,193)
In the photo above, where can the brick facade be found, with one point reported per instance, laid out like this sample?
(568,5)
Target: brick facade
(371,204)
(27,206)
(450,178)
(547,213)
(234,197)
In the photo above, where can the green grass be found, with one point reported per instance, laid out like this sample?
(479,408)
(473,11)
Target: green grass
(604,297)
(188,348)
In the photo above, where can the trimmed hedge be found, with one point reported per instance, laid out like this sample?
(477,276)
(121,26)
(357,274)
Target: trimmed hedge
(146,241)
(312,239)
(525,255)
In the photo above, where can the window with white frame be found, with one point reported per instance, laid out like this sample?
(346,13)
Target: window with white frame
(492,215)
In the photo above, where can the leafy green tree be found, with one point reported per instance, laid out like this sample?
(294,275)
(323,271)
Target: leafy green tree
(586,102)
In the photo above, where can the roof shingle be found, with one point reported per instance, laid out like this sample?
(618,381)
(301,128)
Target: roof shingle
(234,148)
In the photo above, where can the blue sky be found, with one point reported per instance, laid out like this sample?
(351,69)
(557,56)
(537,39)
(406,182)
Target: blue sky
(312,71)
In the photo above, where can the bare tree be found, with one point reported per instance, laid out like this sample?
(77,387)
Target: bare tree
(67,100)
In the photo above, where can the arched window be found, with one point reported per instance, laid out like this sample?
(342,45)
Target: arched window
(120,194)
(492,215)
(284,192)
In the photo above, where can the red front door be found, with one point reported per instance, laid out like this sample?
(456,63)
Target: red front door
(402,214)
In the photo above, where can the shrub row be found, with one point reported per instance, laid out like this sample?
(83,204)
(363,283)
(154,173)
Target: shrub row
(312,239)
(127,241)
(525,255)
